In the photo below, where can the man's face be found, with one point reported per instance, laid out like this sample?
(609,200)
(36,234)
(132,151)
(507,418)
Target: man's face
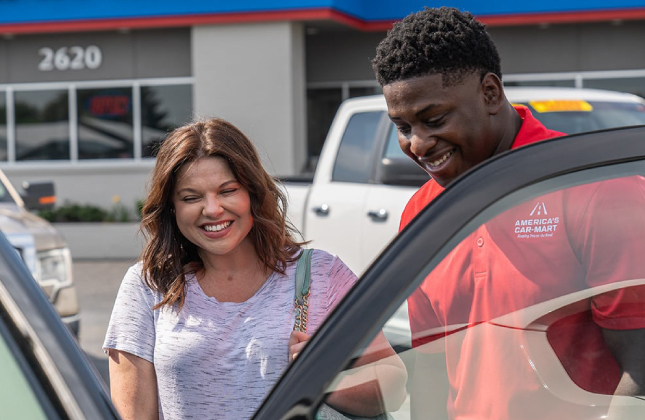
(445,130)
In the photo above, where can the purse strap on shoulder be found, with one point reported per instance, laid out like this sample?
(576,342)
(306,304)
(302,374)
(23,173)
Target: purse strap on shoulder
(303,273)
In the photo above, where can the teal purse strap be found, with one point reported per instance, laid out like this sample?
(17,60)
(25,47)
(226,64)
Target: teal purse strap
(303,271)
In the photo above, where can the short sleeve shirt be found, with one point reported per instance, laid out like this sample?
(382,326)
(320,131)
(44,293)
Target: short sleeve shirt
(218,360)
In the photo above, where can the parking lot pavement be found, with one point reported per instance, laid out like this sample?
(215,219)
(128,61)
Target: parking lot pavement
(97,283)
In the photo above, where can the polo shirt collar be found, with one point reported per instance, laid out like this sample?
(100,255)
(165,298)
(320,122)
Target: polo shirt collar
(531,130)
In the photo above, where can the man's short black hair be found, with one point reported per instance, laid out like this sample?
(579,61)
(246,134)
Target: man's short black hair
(442,41)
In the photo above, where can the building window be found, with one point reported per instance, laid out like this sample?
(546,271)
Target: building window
(321,108)
(109,120)
(42,125)
(554,83)
(323,101)
(635,85)
(3,126)
(105,123)
(163,108)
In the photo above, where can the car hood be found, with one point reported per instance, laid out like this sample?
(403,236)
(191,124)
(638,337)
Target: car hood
(16,222)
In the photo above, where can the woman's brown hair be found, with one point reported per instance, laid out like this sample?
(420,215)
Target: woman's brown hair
(168,256)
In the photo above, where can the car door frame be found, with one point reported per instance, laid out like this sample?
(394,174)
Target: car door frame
(376,297)
(64,380)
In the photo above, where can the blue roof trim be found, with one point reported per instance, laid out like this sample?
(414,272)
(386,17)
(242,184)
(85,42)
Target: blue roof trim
(32,11)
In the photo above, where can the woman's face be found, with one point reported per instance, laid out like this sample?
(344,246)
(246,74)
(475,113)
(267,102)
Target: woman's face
(212,209)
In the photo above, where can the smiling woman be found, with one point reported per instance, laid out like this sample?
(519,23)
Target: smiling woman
(213,212)
(207,314)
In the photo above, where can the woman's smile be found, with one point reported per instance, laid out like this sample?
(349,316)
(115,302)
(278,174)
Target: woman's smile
(212,209)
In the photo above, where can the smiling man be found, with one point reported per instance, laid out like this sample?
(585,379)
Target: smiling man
(441,77)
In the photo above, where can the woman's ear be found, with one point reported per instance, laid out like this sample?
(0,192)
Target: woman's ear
(493,92)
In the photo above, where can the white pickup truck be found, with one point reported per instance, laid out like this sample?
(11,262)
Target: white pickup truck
(362,180)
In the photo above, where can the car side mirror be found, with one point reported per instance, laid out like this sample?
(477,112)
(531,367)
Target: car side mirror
(402,171)
(38,195)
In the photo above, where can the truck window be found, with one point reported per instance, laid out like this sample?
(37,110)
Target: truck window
(355,154)
(392,148)
(597,115)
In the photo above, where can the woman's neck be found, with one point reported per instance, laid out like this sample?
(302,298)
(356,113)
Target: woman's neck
(233,277)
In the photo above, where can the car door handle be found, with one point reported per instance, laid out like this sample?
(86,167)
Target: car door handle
(322,210)
(378,216)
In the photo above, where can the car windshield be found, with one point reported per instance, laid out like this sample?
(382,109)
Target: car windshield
(510,321)
(577,116)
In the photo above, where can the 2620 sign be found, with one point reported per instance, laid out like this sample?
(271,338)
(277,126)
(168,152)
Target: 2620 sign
(70,58)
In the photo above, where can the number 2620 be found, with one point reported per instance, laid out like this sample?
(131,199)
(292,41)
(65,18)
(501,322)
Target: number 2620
(70,58)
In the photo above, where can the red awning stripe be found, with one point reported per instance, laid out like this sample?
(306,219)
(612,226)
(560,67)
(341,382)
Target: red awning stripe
(304,15)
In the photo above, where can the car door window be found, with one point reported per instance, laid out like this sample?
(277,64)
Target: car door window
(526,313)
(18,398)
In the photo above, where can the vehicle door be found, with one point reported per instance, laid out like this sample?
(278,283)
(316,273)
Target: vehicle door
(563,220)
(43,372)
(387,196)
(336,219)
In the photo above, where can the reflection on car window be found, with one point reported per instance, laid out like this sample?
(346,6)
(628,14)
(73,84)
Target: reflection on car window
(529,316)
(17,399)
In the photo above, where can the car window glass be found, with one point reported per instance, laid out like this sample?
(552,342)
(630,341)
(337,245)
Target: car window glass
(17,398)
(587,115)
(392,148)
(527,312)
(355,154)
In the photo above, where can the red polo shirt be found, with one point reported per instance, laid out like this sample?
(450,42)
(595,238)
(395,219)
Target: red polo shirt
(551,246)
(531,131)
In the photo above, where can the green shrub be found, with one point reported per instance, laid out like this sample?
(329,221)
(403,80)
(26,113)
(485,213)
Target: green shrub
(73,212)
(118,213)
(70,212)
(139,206)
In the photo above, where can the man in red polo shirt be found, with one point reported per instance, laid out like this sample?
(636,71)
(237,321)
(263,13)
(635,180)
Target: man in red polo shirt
(441,78)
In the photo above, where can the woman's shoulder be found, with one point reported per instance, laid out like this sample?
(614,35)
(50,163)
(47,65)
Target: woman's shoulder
(134,272)
(322,258)
(330,280)
(134,280)
(326,263)
(321,255)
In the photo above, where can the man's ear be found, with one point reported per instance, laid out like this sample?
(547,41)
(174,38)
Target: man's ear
(493,92)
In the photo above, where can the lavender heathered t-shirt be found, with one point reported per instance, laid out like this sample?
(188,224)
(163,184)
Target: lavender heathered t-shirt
(218,360)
